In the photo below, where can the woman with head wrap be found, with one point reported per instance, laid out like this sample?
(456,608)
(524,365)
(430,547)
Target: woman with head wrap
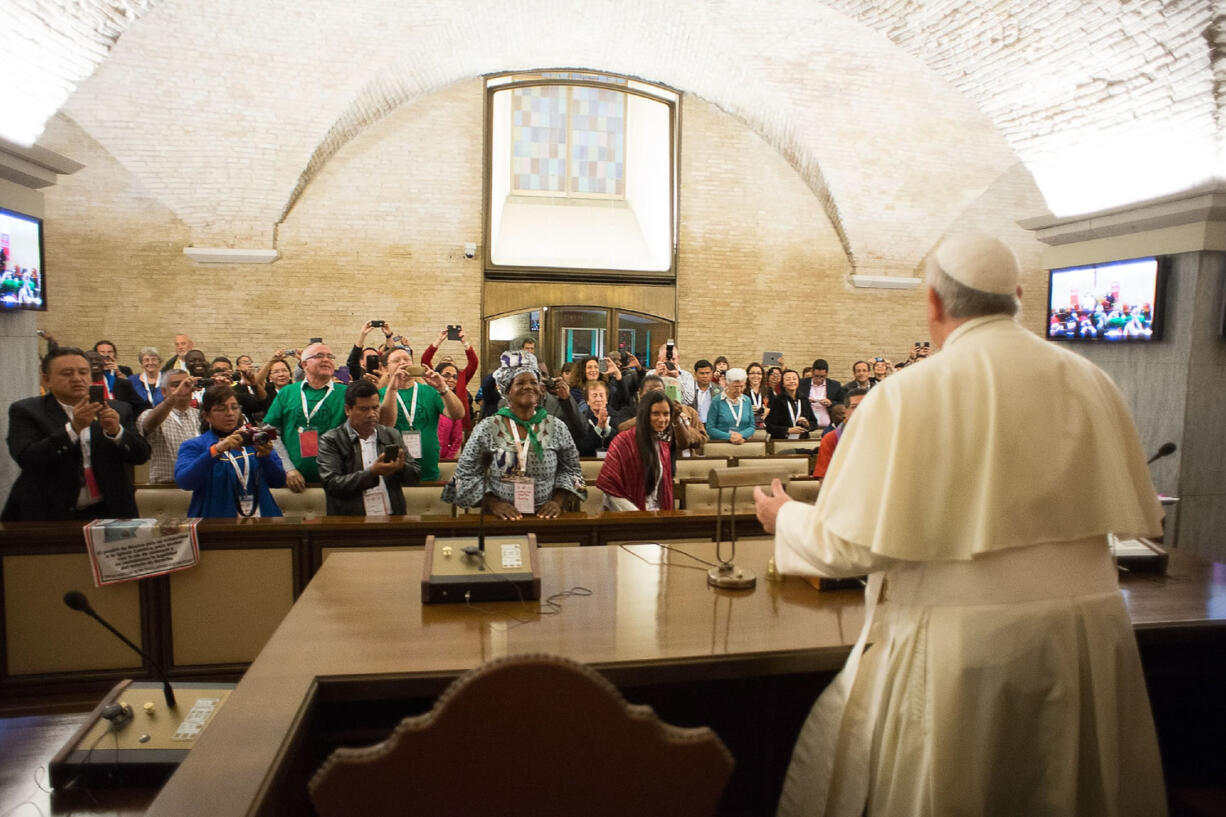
(521,451)
(731,418)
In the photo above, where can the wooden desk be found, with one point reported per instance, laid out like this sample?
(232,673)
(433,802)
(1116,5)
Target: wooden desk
(360,632)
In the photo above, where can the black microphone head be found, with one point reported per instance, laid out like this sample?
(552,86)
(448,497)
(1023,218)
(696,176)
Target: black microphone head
(77,601)
(1166,450)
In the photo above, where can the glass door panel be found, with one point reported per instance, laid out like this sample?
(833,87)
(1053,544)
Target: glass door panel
(508,332)
(581,333)
(642,336)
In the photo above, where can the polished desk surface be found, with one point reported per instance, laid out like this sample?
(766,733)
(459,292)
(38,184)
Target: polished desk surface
(651,615)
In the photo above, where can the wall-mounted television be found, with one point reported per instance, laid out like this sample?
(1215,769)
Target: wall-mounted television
(1120,301)
(23,282)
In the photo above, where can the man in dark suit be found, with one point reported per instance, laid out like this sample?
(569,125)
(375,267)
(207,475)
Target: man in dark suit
(357,479)
(73,452)
(821,392)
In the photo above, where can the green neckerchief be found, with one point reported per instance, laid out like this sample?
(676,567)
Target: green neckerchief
(527,425)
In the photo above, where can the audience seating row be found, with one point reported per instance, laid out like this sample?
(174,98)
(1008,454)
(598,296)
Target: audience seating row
(425,499)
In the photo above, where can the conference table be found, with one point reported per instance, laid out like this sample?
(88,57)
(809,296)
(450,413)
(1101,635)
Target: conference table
(358,651)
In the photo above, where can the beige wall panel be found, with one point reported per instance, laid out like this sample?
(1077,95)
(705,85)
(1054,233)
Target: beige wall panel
(225,608)
(43,635)
(506,296)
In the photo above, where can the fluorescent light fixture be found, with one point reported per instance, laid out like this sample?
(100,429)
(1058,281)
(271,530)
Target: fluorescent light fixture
(225,255)
(884,282)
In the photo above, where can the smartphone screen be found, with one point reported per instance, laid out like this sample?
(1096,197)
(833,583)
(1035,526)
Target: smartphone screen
(604,366)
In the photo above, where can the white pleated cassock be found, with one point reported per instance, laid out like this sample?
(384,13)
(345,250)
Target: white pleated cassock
(1003,678)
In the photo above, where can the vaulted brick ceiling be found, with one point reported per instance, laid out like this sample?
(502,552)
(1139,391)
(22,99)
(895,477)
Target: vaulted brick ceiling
(897,114)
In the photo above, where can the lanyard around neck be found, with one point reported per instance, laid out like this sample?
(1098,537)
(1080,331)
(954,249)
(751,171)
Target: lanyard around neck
(312,412)
(244,472)
(412,411)
(523,450)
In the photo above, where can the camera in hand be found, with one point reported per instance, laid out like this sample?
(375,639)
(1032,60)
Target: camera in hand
(97,394)
(372,363)
(377,324)
(257,433)
(453,332)
(390,453)
(203,382)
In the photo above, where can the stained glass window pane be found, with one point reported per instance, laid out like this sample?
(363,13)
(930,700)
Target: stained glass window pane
(538,139)
(598,142)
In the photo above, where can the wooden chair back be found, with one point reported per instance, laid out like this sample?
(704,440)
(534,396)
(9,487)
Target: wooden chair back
(591,468)
(528,734)
(426,499)
(721,448)
(697,467)
(795,464)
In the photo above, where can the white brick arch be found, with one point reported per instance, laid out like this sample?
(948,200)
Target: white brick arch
(226,108)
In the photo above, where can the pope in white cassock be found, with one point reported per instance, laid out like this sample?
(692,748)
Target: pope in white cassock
(979,487)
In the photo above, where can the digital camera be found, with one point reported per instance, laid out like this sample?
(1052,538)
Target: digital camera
(257,434)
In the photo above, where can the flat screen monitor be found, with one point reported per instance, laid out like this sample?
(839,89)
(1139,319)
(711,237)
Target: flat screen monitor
(1116,302)
(23,282)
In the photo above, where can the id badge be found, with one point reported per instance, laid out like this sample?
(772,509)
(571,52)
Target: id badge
(412,441)
(601,453)
(246,504)
(525,494)
(308,442)
(373,500)
(792,435)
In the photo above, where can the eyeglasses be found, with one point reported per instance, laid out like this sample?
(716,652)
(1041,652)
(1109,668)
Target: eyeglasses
(322,357)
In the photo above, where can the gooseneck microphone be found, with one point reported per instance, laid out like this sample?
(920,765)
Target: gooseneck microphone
(487,459)
(77,601)
(1165,450)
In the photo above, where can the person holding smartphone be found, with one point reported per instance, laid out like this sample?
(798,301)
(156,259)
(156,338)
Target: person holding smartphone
(73,448)
(460,385)
(364,465)
(413,400)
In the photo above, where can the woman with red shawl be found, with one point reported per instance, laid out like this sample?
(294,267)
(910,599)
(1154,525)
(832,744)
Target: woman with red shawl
(637,474)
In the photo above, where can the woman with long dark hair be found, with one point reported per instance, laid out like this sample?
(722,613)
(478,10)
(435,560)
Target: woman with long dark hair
(791,416)
(637,474)
(758,393)
(228,476)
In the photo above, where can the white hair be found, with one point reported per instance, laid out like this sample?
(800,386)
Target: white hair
(735,376)
(961,301)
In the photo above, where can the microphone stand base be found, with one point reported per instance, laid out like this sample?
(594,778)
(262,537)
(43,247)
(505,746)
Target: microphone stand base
(730,577)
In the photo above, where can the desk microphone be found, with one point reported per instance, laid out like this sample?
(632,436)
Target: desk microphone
(486,460)
(1165,450)
(77,601)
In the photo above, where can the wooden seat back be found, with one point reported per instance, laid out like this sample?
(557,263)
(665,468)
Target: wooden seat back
(528,734)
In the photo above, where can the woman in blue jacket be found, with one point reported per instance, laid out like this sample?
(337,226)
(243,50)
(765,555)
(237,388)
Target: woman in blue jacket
(227,478)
